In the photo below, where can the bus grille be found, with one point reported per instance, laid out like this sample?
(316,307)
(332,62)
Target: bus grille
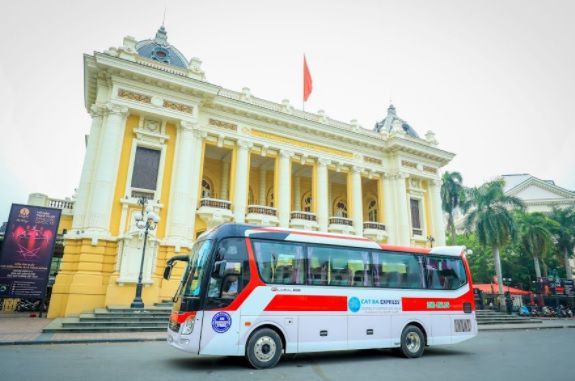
(462,325)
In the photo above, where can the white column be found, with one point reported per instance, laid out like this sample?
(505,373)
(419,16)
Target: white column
(262,194)
(84,187)
(242,181)
(185,187)
(357,203)
(403,227)
(225,180)
(284,188)
(437,212)
(106,170)
(297,193)
(388,208)
(322,194)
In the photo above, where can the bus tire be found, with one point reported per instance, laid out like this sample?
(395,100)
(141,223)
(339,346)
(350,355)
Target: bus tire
(264,348)
(412,342)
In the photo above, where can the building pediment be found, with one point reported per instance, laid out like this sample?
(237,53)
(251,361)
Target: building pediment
(535,189)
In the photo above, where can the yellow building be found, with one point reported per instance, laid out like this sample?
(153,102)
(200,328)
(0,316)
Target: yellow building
(203,155)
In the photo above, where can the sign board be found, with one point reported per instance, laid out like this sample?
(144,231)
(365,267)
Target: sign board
(27,251)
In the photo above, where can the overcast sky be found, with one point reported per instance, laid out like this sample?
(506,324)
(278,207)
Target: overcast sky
(495,80)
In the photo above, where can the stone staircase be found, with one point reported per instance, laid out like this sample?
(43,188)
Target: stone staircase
(116,319)
(487,317)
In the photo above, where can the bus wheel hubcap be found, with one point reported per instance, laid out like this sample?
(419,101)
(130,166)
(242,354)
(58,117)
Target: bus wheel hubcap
(265,348)
(412,342)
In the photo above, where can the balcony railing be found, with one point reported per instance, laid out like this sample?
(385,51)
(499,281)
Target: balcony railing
(340,221)
(60,204)
(373,225)
(142,193)
(415,231)
(307,216)
(215,203)
(260,209)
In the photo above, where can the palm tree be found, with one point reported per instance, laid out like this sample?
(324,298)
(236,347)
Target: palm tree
(564,233)
(491,218)
(535,236)
(452,197)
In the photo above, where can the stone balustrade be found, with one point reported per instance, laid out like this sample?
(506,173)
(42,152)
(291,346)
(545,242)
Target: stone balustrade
(215,203)
(373,225)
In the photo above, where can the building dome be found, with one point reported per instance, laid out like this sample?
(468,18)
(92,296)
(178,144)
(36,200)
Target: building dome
(160,50)
(393,123)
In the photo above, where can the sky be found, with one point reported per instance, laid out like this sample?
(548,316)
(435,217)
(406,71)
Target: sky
(494,80)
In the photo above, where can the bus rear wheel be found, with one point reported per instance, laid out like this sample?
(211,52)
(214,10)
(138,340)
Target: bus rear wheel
(264,348)
(412,342)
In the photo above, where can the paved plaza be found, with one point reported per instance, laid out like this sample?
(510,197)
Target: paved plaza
(507,355)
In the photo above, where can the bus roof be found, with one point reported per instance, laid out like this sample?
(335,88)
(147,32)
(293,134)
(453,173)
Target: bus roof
(295,235)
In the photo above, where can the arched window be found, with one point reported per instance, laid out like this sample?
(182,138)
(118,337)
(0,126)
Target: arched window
(340,208)
(372,210)
(270,198)
(207,188)
(307,202)
(251,200)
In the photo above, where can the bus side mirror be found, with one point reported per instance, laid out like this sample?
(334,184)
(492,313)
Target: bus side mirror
(168,271)
(219,269)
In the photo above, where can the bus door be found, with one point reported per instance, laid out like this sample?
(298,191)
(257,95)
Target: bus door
(221,320)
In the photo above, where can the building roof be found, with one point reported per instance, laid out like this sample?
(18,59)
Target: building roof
(160,50)
(488,288)
(392,122)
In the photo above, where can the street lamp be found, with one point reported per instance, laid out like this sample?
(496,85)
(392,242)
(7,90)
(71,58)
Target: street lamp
(146,220)
(431,240)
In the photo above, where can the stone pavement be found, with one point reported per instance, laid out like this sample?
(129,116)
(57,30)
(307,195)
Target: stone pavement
(20,328)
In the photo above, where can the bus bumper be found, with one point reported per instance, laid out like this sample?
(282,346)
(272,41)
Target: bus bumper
(186,343)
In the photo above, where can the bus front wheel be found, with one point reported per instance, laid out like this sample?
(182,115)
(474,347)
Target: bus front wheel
(264,348)
(412,342)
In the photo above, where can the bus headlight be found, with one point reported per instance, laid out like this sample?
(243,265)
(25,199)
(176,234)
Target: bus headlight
(188,326)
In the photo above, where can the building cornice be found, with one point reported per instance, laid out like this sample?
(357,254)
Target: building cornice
(242,104)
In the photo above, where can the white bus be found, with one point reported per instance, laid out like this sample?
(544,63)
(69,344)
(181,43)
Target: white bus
(261,292)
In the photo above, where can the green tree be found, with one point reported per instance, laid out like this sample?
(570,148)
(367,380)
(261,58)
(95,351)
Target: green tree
(535,236)
(452,197)
(491,218)
(481,259)
(564,233)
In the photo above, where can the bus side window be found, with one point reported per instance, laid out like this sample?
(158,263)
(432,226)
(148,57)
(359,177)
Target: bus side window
(318,266)
(280,262)
(397,270)
(445,273)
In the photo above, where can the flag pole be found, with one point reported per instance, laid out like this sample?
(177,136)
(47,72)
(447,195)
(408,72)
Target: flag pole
(303,88)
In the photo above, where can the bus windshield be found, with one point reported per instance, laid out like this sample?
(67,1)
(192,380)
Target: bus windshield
(197,265)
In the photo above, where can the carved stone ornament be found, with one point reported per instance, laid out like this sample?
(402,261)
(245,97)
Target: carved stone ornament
(372,160)
(152,125)
(224,125)
(178,107)
(133,96)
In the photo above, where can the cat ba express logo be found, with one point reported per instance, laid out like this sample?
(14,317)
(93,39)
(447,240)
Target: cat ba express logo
(353,304)
(221,322)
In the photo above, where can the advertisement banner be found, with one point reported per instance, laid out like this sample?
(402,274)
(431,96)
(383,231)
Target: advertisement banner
(27,251)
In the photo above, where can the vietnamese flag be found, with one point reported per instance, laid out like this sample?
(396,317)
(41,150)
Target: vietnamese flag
(307,83)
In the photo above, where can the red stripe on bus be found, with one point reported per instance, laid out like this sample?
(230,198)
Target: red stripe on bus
(313,303)
(350,237)
(437,304)
(406,249)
